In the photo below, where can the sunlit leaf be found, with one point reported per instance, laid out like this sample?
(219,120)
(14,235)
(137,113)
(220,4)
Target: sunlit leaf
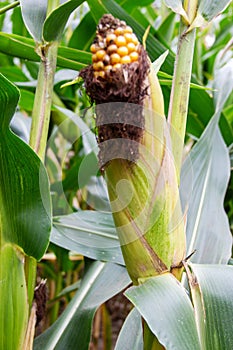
(83,35)
(204,179)
(22,47)
(214,304)
(207,10)
(177,7)
(90,233)
(168,311)
(34,17)
(52,31)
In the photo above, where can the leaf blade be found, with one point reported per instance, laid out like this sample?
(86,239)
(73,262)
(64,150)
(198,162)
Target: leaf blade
(168,311)
(25,205)
(217,296)
(101,282)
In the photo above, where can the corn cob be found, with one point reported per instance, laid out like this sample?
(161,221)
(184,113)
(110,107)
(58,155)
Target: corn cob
(132,151)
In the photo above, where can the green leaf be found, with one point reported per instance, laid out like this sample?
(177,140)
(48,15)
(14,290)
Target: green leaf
(207,10)
(166,29)
(211,8)
(83,35)
(13,296)
(72,329)
(85,130)
(13,73)
(52,31)
(26,100)
(216,309)
(18,46)
(22,47)
(25,201)
(177,7)
(131,336)
(77,177)
(160,60)
(204,179)
(130,5)
(167,309)
(34,17)
(90,233)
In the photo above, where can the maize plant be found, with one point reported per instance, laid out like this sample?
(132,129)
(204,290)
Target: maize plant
(124,168)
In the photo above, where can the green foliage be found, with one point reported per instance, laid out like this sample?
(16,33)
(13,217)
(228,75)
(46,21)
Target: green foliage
(101,282)
(13,294)
(25,200)
(160,296)
(82,223)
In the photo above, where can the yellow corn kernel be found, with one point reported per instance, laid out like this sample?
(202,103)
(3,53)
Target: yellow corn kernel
(100,54)
(99,74)
(94,58)
(106,60)
(119,31)
(133,56)
(122,51)
(128,37)
(94,48)
(131,47)
(134,39)
(108,68)
(125,59)
(115,58)
(117,66)
(120,41)
(110,38)
(128,29)
(98,66)
(112,49)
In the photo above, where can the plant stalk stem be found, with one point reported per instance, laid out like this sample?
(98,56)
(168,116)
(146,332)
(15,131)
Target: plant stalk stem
(43,99)
(40,124)
(9,7)
(178,108)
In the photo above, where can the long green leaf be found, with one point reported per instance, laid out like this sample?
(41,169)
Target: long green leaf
(51,30)
(204,180)
(34,17)
(89,233)
(72,330)
(216,308)
(168,311)
(208,9)
(13,296)
(177,7)
(131,336)
(25,208)
(22,47)
(83,35)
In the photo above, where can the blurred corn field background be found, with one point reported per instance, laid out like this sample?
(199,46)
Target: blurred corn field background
(55,206)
